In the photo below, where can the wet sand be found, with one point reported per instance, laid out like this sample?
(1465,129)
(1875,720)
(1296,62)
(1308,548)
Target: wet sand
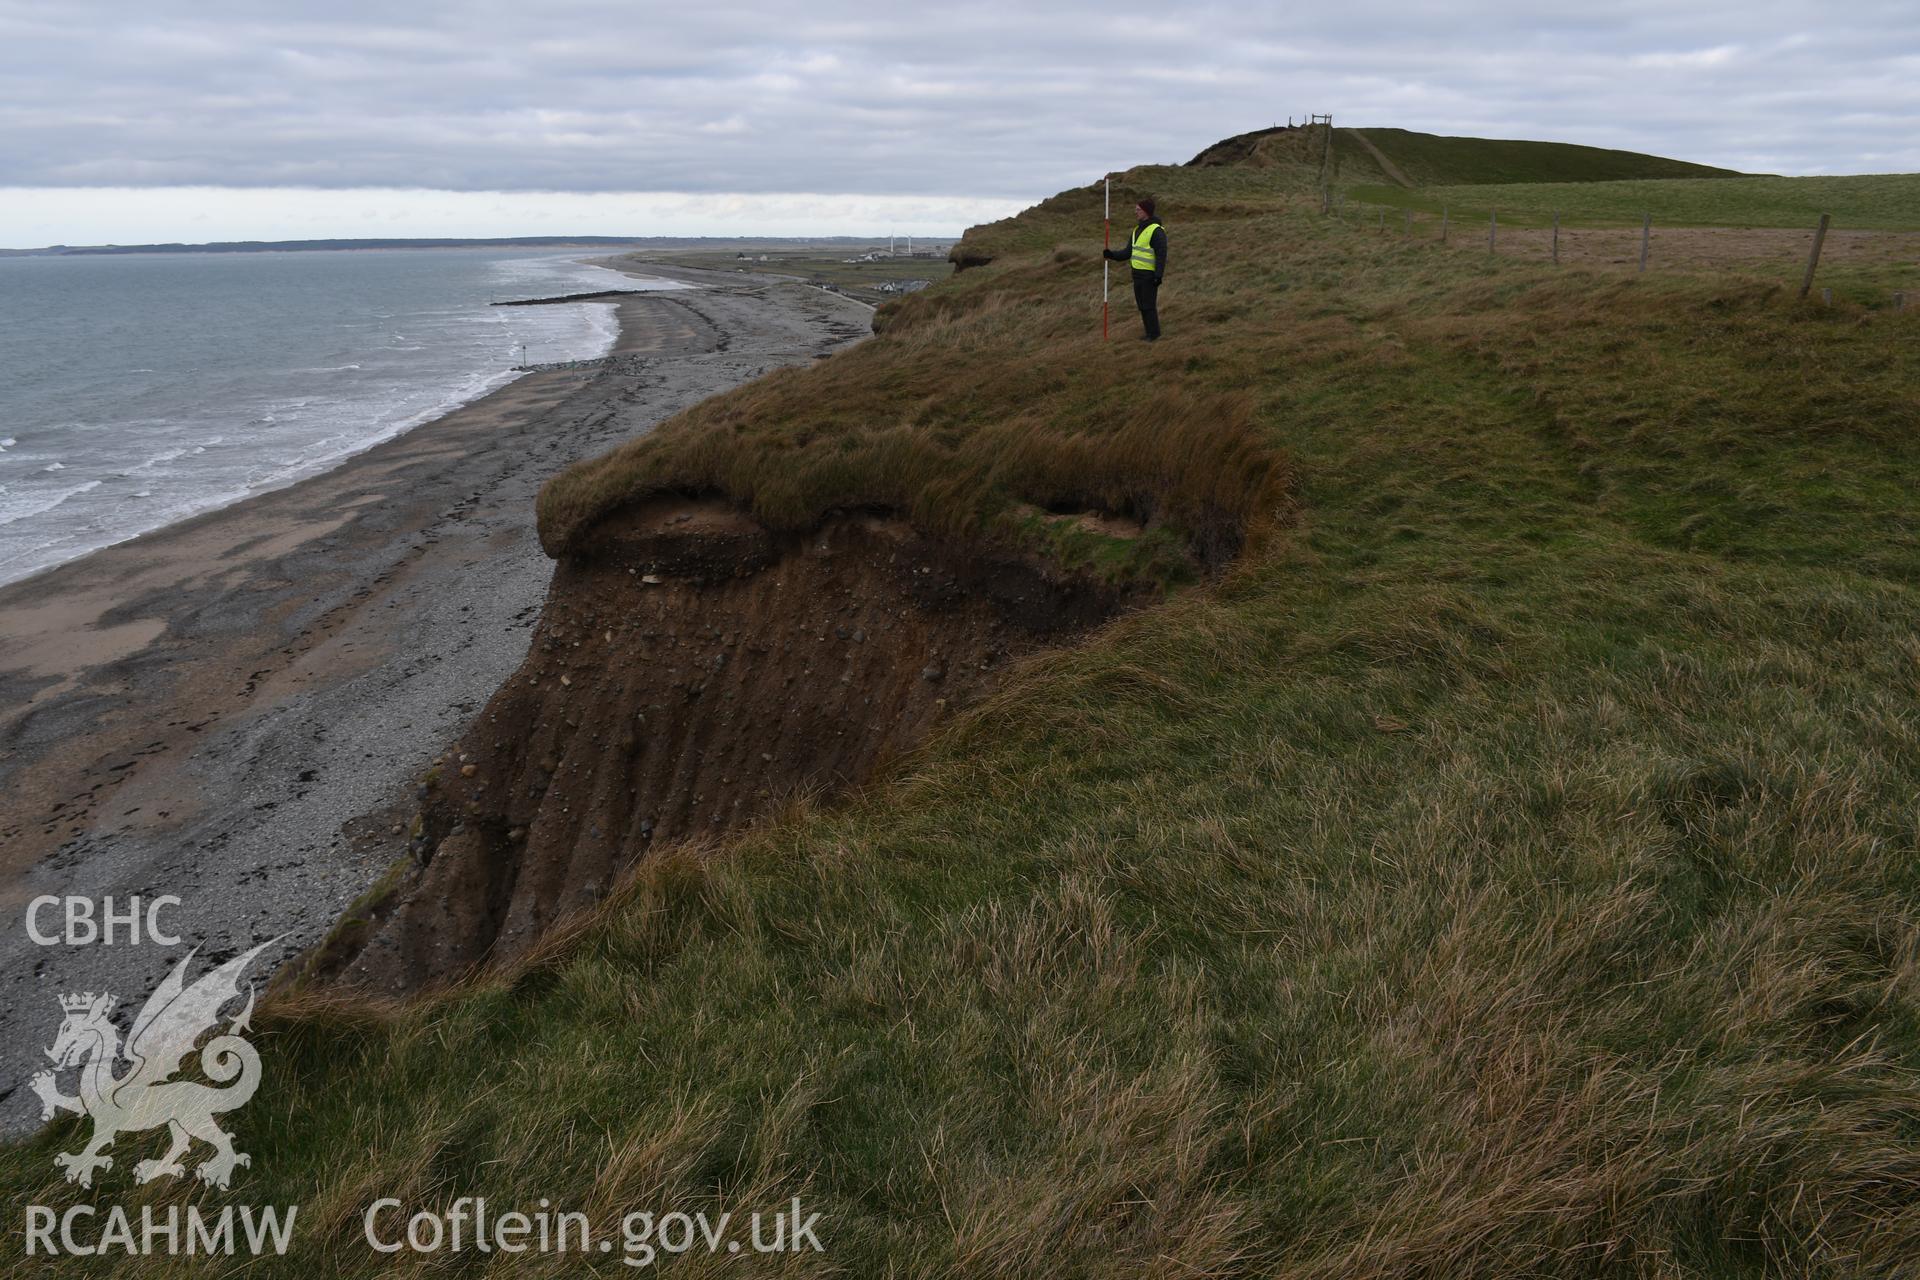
(230,709)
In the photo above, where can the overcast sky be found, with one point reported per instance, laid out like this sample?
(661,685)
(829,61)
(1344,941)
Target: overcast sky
(417,117)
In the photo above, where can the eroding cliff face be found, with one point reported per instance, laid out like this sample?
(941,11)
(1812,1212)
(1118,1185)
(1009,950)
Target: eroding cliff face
(692,669)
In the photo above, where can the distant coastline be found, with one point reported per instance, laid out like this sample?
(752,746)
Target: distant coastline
(498,242)
(154,431)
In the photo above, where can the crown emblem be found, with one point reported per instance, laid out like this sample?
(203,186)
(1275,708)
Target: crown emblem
(82,1002)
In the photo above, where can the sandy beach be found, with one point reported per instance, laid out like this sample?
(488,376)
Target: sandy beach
(231,709)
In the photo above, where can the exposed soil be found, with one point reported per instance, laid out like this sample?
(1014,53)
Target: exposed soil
(1241,148)
(691,670)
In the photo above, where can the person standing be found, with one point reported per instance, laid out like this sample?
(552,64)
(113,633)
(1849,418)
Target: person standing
(1148,256)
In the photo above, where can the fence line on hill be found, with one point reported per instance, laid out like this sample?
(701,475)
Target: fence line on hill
(1334,205)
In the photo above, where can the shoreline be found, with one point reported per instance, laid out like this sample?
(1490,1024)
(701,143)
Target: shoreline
(229,708)
(490,383)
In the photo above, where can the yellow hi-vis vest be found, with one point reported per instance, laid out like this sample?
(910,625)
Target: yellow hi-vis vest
(1144,258)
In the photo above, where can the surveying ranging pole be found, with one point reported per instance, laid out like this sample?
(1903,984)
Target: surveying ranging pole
(1106,268)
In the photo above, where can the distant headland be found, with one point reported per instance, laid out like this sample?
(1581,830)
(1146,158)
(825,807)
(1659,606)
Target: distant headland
(500,242)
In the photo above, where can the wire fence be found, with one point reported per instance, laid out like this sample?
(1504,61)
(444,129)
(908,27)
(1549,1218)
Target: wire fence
(1863,253)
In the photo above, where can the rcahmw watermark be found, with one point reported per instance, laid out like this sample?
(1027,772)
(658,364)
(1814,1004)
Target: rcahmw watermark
(175,1230)
(469,1224)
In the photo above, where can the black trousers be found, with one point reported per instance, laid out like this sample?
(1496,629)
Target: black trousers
(1146,296)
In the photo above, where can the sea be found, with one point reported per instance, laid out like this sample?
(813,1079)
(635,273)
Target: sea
(139,389)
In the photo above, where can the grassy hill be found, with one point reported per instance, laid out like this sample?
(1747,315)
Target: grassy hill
(1528,181)
(1431,160)
(1405,159)
(1506,865)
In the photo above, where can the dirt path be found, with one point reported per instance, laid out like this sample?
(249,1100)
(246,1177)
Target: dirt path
(1386,166)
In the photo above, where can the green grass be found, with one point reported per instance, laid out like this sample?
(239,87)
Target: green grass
(1864,202)
(1508,867)
(1295,157)
(1430,160)
(935,421)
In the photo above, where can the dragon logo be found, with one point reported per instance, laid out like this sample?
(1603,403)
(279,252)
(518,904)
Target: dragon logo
(169,1025)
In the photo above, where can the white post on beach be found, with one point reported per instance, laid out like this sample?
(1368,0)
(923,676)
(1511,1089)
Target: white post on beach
(1106,268)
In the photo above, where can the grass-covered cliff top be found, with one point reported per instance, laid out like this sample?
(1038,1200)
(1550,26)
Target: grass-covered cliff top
(968,410)
(993,395)
(1509,867)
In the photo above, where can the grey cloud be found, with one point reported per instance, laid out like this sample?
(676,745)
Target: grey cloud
(997,99)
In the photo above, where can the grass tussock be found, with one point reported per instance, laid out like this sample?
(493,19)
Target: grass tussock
(963,410)
(1508,868)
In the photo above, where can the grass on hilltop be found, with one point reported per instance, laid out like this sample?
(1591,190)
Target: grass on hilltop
(1301,157)
(1864,202)
(1431,160)
(1509,867)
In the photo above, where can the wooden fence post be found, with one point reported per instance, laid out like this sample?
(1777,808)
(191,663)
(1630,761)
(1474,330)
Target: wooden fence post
(1443,224)
(1826,297)
(1556,237)
(1493,228)
(1409,230)
(1813,259)
(1382,224)
(1646,234)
